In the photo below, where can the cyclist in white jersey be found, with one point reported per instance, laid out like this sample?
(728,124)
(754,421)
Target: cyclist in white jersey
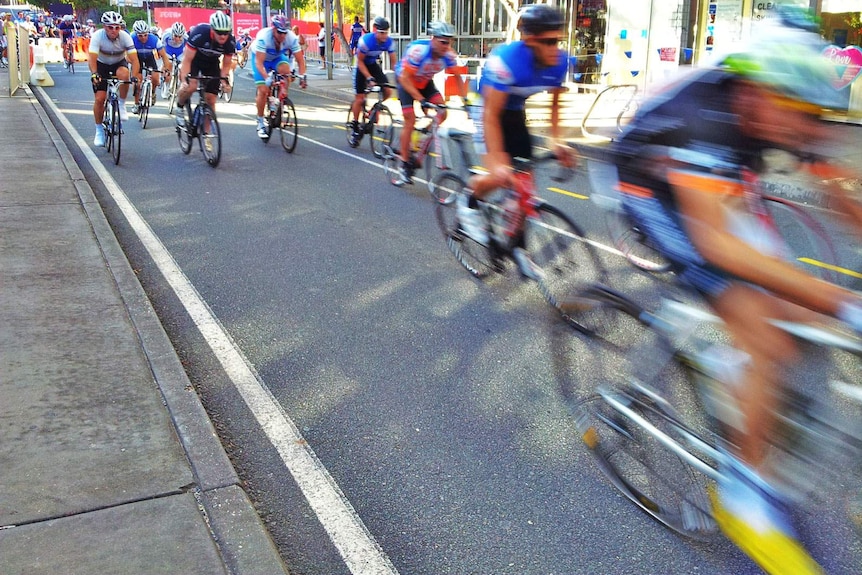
(271,50)
(111,49)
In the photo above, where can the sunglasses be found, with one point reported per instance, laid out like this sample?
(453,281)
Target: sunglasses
(547,41)
(277,31)
(112,27)
(444,42)
(217,33)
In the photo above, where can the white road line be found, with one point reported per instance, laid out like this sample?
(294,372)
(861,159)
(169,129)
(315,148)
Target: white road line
(358,548)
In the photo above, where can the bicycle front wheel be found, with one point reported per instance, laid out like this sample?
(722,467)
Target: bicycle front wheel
(144,109)
(444,186)
(633,244)
(381,131)
(116,132)
(567,259)
(289,126)
(172,98)
(108,126)
(184,134)
(228,95)
(210,137)
(476,258)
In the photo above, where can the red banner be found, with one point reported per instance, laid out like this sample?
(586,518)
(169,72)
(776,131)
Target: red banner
(191,17)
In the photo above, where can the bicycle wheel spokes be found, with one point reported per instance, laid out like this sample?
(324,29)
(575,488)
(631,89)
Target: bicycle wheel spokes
(622,431)
(116,131)
(381,131)
(476,258)
(444,186)
(210,137)
(560,249)
(289,126)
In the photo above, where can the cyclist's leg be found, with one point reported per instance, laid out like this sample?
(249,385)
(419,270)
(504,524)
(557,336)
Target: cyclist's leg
(409,121)
(359,85)
(100,94)
(282,66)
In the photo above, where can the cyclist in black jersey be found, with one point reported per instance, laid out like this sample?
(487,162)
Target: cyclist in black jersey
(684,164)
(206,44)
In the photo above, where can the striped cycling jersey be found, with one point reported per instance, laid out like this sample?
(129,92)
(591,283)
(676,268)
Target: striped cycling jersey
(111,51)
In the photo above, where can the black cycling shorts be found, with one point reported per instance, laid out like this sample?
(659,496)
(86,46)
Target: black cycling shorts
(207,67)
(360,82)
(106,71)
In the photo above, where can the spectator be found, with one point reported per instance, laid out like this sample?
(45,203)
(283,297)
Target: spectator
(321,45)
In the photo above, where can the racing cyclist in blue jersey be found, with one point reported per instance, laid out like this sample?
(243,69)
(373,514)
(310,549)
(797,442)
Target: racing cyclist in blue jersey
(148,47)
(175,43)
(271,51)
(415,72)
(367,68)
(356,32)
(512,73)
(207,43)
(686,164)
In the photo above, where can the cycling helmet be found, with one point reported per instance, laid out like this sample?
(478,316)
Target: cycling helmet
(141,27)
(539,18)
(220,22)
(67,18)
(89,20)
(111,18)
(178,29)
(381,23)
(786,55)
(441,30)
(280,23)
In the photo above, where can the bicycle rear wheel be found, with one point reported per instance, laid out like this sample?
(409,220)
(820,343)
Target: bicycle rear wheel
(381,130)
(559,247)
(476,258)
(116,131)
(391,165)
(289,126)
(210,137)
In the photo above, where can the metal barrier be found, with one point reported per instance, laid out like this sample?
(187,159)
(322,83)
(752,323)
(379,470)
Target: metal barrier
(18,39)
(609,111)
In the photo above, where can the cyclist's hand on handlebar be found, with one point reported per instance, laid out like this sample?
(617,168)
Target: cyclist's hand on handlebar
(268,81)
(226,87)
(95,78)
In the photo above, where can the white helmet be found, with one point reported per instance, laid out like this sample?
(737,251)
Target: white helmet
(141,27)
(178,29)
(67,18)
(112,18)
(220,22)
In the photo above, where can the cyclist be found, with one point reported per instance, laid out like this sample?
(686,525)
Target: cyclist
(67,28)
(175,44)
(111,50)
(356,32)
(205,45)
(415,73)
(90,28)
(271,50)
(367,67)
(148,47)
(512,73)
(683,165)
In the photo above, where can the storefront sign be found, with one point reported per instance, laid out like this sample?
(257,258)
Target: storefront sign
(848,64)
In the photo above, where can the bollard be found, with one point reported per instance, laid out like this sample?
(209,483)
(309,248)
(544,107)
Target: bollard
(38,73)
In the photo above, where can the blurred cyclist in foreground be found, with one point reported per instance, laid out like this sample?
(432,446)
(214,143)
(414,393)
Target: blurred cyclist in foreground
(683,164)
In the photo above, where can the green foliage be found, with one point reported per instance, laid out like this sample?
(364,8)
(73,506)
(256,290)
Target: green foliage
(854,20)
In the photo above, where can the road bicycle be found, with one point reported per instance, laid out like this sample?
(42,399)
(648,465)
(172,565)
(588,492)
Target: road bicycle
(281,113)
(171,85)
(428,148)
(517,219)
(147,97)
(69,55)
(111,121)
(805,241)
(201,124)
(375,121)
(655,429)
(242,57)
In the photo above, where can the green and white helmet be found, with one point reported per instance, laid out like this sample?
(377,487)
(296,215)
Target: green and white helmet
(786,55)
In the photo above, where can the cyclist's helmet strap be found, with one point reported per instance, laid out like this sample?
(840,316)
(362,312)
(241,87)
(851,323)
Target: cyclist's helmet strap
(381,23)
(540,18)
(220,22)
(112,18)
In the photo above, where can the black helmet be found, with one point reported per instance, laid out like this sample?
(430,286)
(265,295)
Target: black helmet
(538,18)
(381,23)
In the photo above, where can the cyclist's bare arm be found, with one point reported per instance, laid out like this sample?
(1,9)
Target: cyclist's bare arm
(565,154)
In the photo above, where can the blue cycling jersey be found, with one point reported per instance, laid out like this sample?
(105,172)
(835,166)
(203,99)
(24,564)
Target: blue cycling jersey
(512,68)
(173,49)
(265,42)
(149,46)
(418,56)
(369,49)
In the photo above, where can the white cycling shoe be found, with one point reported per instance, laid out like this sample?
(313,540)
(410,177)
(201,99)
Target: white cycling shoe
(99,140)
(471,221)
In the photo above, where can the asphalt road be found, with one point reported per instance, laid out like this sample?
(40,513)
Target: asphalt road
(439,405)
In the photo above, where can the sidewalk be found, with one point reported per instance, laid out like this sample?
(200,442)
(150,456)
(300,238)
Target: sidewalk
(108,462)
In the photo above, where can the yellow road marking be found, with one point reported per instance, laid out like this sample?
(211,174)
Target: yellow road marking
(567,193)
(838,269)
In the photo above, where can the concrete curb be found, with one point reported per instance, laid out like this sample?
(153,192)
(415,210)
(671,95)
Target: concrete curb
(243,541)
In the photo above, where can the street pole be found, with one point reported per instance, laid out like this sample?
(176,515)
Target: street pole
(264,13)
(327,6)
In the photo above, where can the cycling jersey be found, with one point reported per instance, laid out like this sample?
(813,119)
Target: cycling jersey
(174,48)
(356,31)
(67,29)
(202,43)
(418,57)
(369,49)
(111,51)
(511,68)
(264,41)
(147,49)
